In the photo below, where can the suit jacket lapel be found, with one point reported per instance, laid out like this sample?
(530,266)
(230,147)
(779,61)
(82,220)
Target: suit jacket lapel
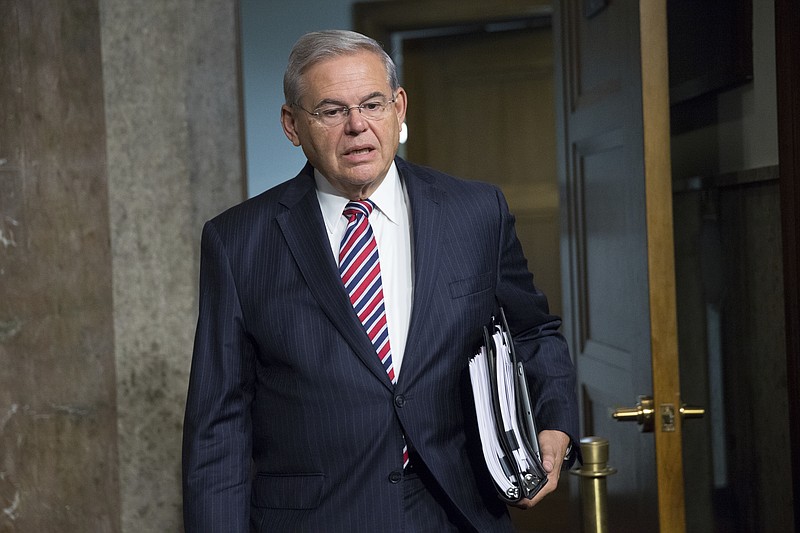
(427,205)
(303,229)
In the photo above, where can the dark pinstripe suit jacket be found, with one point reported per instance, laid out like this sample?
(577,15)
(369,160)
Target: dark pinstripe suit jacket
(291,422)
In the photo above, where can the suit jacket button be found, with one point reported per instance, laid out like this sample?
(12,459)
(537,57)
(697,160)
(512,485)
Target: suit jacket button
(395,477)
(399,400)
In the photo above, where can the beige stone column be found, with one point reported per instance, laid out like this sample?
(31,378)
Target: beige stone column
(58,438)
(172,101)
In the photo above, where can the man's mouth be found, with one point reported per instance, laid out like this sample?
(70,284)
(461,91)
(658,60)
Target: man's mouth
(359,151)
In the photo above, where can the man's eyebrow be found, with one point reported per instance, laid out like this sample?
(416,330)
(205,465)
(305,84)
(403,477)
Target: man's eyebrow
(330,101)
(339,103)
(376,94)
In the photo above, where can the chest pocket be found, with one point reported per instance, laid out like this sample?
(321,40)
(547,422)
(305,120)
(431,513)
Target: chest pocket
(471,285)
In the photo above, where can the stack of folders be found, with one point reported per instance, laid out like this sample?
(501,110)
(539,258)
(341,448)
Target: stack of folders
(505,418)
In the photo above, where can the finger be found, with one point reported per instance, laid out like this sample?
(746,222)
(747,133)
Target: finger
(550,486)
(553,476)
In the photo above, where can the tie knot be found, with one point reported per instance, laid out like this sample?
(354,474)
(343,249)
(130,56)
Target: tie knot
(358,208)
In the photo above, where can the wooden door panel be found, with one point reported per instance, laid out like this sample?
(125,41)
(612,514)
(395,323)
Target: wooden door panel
(611,320)
(599,71)
(610,224)
(595,73)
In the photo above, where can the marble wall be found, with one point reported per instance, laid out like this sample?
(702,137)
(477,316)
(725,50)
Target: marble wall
(120,133)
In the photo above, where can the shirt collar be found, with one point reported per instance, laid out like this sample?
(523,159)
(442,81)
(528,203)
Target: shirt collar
(388,198)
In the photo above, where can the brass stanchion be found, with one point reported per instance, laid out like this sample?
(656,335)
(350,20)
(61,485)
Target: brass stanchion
(593,474)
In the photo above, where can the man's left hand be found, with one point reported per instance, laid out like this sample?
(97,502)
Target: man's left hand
(553,445)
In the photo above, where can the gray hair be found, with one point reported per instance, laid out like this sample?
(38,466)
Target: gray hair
(315,47)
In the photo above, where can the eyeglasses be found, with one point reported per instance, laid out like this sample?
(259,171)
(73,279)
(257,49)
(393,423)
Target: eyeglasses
(330,115)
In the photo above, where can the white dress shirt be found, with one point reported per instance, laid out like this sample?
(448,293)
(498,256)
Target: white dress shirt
(391,226)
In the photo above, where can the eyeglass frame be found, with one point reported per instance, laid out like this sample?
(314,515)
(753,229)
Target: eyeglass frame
(347,109)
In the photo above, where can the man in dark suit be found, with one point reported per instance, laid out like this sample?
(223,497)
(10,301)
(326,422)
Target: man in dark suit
(329,388)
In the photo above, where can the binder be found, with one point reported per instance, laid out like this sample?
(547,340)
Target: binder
(505,418)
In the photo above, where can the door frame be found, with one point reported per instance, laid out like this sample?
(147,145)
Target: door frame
(661,263)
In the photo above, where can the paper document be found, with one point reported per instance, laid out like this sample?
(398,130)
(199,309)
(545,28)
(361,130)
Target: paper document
(505,418)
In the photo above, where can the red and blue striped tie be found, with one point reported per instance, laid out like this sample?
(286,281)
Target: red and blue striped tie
(360,269)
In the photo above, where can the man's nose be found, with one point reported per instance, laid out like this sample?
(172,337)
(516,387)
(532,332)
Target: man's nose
(355,122)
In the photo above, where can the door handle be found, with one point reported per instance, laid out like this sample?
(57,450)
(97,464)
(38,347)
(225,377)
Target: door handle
(644,414)
(692,411)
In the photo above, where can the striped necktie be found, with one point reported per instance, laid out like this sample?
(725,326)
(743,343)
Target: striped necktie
(361,274)
(360,269)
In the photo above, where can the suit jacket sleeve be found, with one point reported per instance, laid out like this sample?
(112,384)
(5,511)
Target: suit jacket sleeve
(217,438)
(538,343)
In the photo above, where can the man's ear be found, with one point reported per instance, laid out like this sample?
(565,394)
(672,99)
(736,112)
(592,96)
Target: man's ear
(401,104)
(289,124)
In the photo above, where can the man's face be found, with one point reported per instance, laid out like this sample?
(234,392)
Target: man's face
(356,154)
